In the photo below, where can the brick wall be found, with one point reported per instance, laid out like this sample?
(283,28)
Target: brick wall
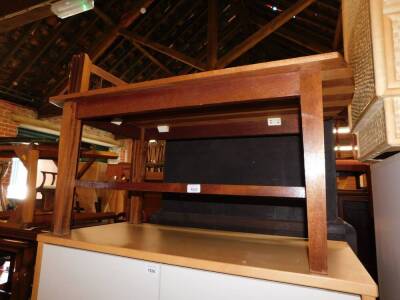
(86,129)
(8,128)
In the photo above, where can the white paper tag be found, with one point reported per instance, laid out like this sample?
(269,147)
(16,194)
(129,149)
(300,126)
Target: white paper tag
(152,270)
(193,188)
(274,121)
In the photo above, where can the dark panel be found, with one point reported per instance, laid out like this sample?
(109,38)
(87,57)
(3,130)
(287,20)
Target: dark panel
(271,160)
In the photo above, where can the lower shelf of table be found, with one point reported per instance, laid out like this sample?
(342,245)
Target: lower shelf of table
(209,189)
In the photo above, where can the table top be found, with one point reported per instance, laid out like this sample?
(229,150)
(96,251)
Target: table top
(337,79)
(275,258)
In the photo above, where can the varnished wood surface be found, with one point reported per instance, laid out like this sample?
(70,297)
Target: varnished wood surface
(28,206)
(314,166)
(191,94)
(208,189)
(69,146)
(336,77)
(138,171)
(282,259)
(50,151)
(328,61)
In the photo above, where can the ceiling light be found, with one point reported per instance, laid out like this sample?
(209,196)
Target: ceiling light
(341,130)
(143,10)
(67,8)
(345,148)
(116,122)
(153,142)
(274,8)
(163,128)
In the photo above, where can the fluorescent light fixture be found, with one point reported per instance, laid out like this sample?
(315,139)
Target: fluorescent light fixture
(162,128)
(67,8)
(341,130)
(345,148)
(116,122)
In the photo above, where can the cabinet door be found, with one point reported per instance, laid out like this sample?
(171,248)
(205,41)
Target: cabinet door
(179,283)
(70,274)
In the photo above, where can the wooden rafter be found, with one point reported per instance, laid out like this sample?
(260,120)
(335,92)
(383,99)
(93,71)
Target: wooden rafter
(121,28)
(20,42)
(263,32)
(125,21)
(107,40)
(196,18)
(147,35)
(164,50)
(294,38)
(225,36)
(27,13)
(72,46)
(17,77)
(148,54)
(212,34)
(67,51)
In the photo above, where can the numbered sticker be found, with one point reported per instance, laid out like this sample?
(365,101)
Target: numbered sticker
(274,121)
(152,270)
(193,188)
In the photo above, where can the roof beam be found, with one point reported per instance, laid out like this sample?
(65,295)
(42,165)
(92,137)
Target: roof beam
(121,28)
(107,41)
(263,32)
(292,37)
(196,18)
(26,13)
(164,50)
(212,34)
(147,53)
(17,77)
(21,40)
(126,20)
(166,14)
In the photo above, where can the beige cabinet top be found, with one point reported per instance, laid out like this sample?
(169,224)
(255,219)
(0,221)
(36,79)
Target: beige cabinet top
(276,258)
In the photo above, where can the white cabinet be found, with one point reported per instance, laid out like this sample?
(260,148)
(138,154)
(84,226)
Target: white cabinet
(71,274)
(179,283)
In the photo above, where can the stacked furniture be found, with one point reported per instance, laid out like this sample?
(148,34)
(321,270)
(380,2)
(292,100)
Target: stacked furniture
(275,98)
(20,227)
(371,40)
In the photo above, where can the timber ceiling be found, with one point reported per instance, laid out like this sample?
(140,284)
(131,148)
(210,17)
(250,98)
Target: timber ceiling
(170,38)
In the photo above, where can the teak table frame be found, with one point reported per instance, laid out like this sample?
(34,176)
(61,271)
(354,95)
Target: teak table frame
(276,82)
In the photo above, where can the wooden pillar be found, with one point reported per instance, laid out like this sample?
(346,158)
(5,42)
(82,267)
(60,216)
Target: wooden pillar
(24,213)
(68,149)
(314,166)
(139,151)
(28,207)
